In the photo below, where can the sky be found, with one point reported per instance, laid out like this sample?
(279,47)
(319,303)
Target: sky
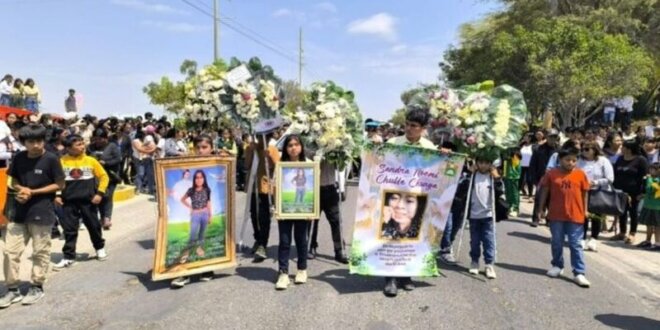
(108,50)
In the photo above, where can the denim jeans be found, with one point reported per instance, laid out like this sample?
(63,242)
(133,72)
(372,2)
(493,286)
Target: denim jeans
(139,175)
(31,104)
(5,99)
(149,175)
(482,232)
(574,232)
(300,195)
(299,228)
(608,118)
(105,208)
(199,220)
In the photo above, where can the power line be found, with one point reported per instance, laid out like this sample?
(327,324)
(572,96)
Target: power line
(237,30)
(246,28)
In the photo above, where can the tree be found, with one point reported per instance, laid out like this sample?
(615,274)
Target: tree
(399,117)
(563,60)
(171,94)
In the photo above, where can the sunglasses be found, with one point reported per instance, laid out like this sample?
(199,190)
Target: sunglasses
(586,149)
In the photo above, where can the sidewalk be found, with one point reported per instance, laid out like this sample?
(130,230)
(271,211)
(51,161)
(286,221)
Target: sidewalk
(641,266)
(129,217)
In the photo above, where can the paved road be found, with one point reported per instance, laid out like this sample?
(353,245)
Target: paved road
(118,293)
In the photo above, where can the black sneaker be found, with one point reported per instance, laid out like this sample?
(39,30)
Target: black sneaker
(312,254)
(340,257)
(406,283)
(34,294)
(390,289)
(205,277)
(534,224)
(645,244)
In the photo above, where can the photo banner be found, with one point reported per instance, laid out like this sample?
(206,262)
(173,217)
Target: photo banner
(405,196)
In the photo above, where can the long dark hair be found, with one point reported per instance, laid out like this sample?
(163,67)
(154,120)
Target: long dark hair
(285,154)
(205,186)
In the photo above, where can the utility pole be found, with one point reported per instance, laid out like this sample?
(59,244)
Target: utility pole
(300,57)
(216,30)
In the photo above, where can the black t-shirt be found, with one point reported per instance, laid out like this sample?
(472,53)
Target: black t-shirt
(35,173)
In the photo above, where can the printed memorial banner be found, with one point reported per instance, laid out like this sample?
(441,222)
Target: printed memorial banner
(405,196)
(195,231)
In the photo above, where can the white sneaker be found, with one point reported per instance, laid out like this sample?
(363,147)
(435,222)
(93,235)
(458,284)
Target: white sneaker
(101,255)
(282,281)
(582,244)
(474,268)
(554,272)
(592,245)
(64,263)
(490,272)
(582,281)
(180,282)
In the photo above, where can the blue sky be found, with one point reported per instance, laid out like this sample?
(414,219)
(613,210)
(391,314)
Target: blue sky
(109,49)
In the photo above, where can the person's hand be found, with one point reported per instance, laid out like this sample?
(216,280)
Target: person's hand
(102,162)
(445,151)
(387,213)
(494,173)
(96,200)
(25,192)
(58,201)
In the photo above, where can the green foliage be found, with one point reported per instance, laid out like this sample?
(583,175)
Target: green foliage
(399,117)
(358,258)
(171,94)
(430,265)
(563,61)
(178,235)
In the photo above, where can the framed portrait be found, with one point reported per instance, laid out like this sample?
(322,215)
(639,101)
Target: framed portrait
(297,190)
(402,215)
(195,230)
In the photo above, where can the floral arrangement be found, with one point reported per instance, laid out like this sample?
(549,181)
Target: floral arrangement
(211,100)
(330,123)
(482,118)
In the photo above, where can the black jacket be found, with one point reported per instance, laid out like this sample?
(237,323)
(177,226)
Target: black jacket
(462,201)
(539,162)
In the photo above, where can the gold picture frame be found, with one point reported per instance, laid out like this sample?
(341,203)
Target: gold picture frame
(196,221)
(294,200)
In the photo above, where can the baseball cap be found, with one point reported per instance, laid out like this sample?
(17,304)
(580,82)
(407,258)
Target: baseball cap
(553,132)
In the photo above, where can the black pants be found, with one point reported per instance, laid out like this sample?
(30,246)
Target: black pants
(631,210)
(330,206)
(260,219)
(525,182)
(535,217)
(70,224)
(595,227)
(299,228)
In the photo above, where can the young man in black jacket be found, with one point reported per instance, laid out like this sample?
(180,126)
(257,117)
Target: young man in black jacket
(538,165)
(109,156)
(36,176)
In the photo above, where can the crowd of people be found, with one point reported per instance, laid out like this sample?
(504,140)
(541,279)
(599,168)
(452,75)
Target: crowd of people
(64,173)
(15,92)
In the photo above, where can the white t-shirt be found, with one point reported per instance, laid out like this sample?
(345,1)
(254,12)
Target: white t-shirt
(526,153)
(161,148)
